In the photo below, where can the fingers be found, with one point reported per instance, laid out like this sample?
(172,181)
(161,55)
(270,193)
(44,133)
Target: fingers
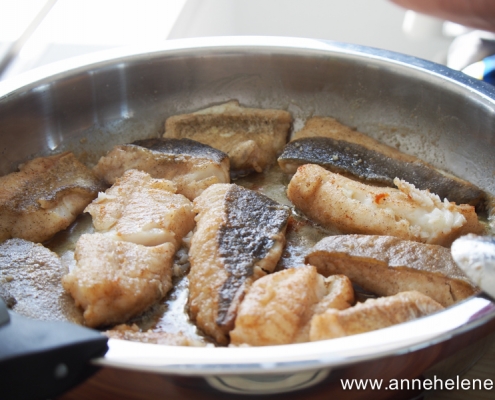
(479,14)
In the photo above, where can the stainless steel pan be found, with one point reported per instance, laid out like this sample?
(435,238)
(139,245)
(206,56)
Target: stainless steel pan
(88,105)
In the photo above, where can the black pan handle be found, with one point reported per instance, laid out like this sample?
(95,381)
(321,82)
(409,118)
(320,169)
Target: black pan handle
(42,359)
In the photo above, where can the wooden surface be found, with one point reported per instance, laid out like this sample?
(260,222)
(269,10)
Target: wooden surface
(483,369)
(113,384)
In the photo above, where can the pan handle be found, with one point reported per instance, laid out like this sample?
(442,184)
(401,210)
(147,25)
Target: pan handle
(42,359)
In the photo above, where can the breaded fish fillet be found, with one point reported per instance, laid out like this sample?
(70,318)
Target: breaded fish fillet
(386,265)
(278,307)
(371,315)
(44,197)
(31,274)
(191,165)
(251,137)
(239,237)
(335,201)
(326,142)
(116,280)
(142,210)
(126,266)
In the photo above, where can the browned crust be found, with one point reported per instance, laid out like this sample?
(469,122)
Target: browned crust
(29,196)
(251,137)
(32,275)
(386,265)
(371,315)
(41,182)
(321,196)
(239,237)
(460,191)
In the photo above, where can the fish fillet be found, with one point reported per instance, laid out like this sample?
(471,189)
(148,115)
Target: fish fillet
(132,333)
(126,266)
(191,165)
(371,315)
(31,274)
(335,201)
(251,137)
(142,210)
(386,265)
(45,196)
(116,280)
(326,142)
(239,237)
(278,307)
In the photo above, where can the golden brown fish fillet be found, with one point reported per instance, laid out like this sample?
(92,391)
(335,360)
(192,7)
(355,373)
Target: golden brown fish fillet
(386,265)
(339,294)
(251,137)
(31,274)
(191,165)
(143,210)
(45,196)
(371,315)
(134,334)
(278,307)
(116,280)
(326,142)
(335,201)
(239,237)
(126,266)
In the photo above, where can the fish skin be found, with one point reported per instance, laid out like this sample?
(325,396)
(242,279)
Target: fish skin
(372,161)
(239,237)
(191,165)
(370,166)
(182,146)
(236,245)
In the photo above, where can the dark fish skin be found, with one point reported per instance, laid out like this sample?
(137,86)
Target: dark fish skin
(181,146)
(252,221)
(191,165)
(373,167)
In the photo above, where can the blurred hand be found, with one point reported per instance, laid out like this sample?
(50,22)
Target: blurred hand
(479,14)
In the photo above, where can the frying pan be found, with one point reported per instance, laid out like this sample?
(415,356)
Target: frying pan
(87,105)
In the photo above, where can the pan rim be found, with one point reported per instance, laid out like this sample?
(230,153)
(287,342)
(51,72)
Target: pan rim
(469,314)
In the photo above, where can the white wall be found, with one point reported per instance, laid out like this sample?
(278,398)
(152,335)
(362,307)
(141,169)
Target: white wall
(79,27)
(376,23)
